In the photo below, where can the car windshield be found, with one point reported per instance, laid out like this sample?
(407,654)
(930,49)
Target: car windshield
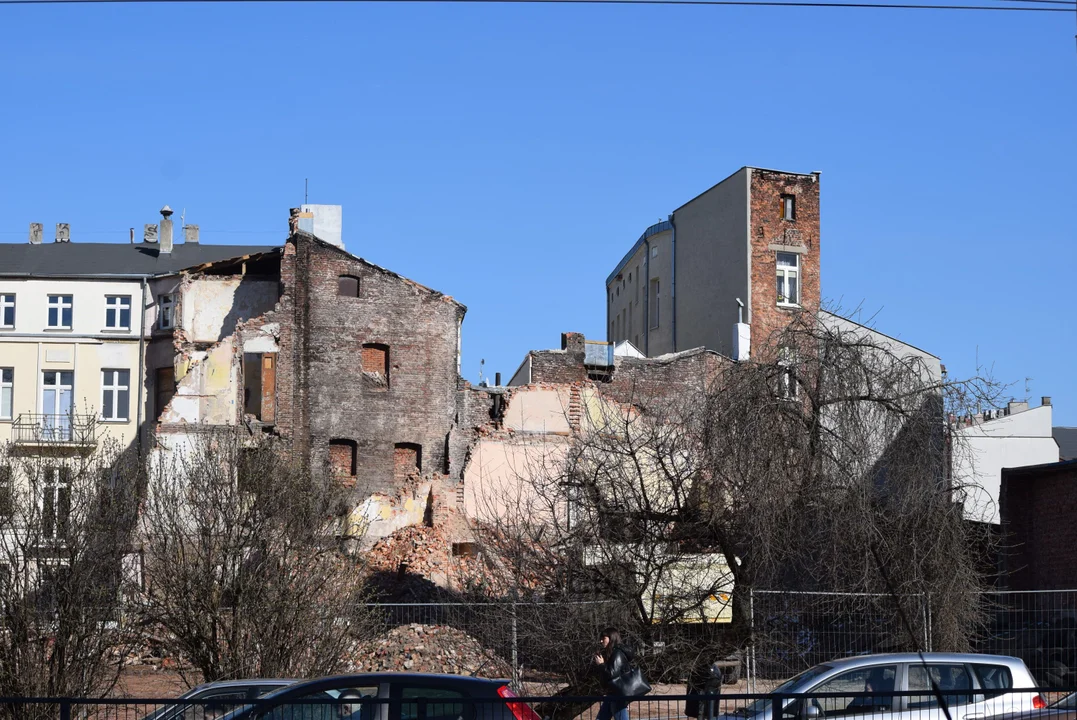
(1068,702)
(763,704)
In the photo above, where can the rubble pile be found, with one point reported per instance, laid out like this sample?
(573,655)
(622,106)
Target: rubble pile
(430,648)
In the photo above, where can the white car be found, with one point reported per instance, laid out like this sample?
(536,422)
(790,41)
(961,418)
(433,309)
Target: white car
(858,688)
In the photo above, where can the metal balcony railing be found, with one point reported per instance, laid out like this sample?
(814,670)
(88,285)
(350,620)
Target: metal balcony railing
(41,429)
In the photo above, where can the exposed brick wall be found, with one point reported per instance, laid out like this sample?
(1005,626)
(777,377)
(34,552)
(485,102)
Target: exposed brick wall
(768,229)
(1037,508)
(330,338)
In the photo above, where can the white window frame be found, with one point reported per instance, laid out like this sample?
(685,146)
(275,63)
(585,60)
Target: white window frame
(114,389)
(8,385)
(116,304)
(57,478)
(166,301)
(784,273)
(788,387)
(59,303)
(7,300)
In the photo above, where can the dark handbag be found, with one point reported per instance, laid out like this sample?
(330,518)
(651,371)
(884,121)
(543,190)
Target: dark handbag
(631,683)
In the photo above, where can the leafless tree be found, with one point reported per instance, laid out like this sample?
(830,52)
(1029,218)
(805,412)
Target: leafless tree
(243,572)
(67,511)
(784,473)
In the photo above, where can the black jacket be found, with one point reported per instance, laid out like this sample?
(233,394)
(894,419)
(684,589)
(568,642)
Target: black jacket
(619,662)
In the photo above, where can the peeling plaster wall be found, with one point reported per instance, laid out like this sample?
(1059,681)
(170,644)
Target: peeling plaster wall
(382,514)
(212,306)
(207,385)
(539,410)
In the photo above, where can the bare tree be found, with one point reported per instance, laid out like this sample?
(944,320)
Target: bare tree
(244,575)
(67,511)
(779,473)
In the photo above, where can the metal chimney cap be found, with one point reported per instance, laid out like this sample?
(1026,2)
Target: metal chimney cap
(166,211)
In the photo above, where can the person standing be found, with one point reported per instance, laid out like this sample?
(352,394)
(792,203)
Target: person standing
(611,662)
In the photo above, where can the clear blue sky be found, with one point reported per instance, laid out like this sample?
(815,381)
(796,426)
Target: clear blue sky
(509,155)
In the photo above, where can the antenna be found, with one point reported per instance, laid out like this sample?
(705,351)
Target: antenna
(306,190)
(482,362)
(183,214)
(1027,392)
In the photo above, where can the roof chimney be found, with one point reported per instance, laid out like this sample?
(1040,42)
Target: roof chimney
(190,234)
(166,230)
(149,233)
(63,232)
(35,233)
(1045,400)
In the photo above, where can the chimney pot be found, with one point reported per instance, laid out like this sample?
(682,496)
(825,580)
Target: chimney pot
(149,233)
(166,212)
(63,232)
(35,233)
(1045,400)
(190,234)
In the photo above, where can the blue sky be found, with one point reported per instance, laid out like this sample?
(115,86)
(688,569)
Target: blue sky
(509,155)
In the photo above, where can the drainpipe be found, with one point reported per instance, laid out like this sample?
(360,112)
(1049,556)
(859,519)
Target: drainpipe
(647,299)
(141,367)
(673,274)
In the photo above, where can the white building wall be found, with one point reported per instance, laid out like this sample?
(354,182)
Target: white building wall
(981,451)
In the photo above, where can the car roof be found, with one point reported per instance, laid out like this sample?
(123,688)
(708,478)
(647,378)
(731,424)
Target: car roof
(251,682)
(386,677)
(856,660)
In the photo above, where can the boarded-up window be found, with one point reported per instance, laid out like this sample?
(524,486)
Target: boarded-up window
(407,459)
(342,457)
(164,388)
(260,385)
(348,286)
(375,361)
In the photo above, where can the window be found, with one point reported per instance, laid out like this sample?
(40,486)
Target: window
(57,389)
(375,359)
(260,385)
(348,286)
(60,311)
(115,394)
(654,251)
(789,207)
(118,312)
(439,704)
(788,278)
(55,502)
(407,459)
(629,277)
(7,491)
(7,311)
(166,309)
(7,390)
(164,388)
(788,388)
(952,680)
(879,679)
(342,456)
(996,680)
(654,300)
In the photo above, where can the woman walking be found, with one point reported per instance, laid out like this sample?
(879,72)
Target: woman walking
(611,662)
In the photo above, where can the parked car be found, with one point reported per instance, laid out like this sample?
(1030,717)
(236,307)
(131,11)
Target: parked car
(973,687)
(390,696)
(221,697)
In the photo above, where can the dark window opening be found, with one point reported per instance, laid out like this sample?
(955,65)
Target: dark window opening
(375,360)
(260,386)
(56,503)
(407,459)
(789,207)
(348,286)
(342,457)
(164,388)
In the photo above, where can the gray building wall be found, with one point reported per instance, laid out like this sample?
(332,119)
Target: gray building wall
(712,264)
(627,301)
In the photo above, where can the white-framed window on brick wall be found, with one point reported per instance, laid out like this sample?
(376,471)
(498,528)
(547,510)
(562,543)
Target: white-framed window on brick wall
(788,278)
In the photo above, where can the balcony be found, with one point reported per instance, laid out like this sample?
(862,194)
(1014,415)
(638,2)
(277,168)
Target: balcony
(54,432)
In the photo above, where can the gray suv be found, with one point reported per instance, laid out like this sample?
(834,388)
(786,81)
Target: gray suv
(972,686)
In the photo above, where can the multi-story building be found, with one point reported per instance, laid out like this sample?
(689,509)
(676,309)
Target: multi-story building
(746,250)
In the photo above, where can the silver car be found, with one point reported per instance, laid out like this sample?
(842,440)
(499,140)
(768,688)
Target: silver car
(855,688)
(219,698)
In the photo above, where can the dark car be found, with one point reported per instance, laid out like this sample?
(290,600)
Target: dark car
(390,696)
(220,697)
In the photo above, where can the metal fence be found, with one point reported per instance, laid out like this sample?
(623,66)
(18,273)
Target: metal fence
(448,703)
(792,631)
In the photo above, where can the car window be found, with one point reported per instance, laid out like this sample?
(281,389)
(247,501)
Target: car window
(296,709)
(357,703)
(994,679)
(214,704)
(874,679)
(438,703)
(952,679)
